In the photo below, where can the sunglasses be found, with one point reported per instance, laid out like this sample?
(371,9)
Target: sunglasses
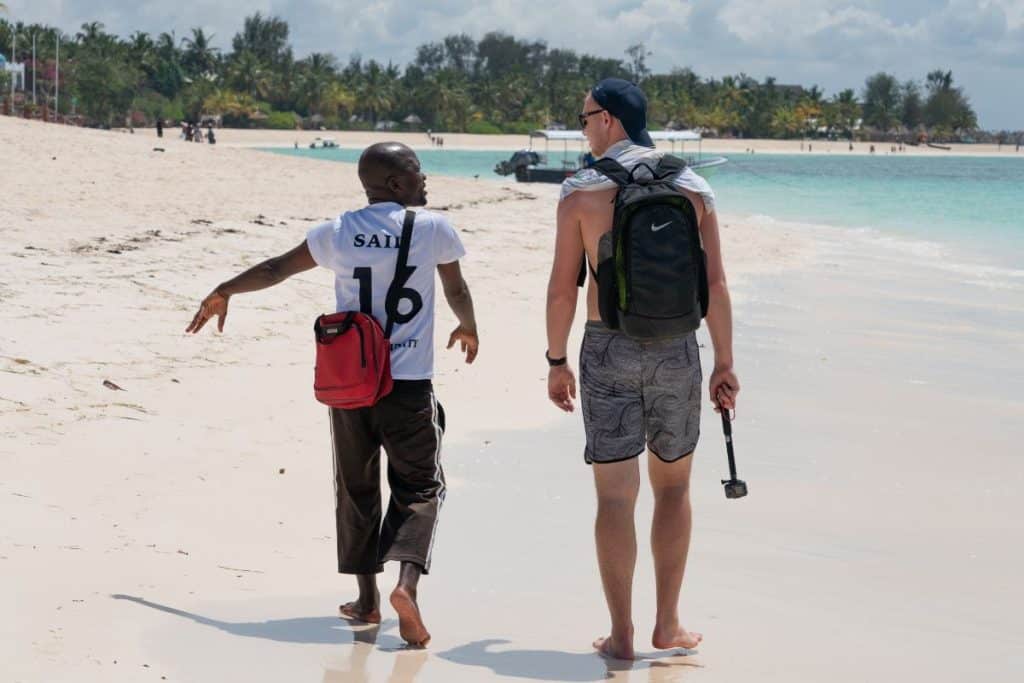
(583,117)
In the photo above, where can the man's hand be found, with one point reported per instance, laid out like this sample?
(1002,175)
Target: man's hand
(724,386)
(215,304)
(562,387)
(468,338)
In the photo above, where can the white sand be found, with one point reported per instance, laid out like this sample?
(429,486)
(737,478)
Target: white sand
(273,138)
(463,141)
(879,430)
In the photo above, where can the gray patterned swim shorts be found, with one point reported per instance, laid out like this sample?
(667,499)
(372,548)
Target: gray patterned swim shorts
(639,394)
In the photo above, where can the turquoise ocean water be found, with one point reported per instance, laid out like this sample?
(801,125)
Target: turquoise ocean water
(968,209)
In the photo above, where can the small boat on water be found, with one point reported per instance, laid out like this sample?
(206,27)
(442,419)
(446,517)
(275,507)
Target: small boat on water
(532,166)
(323,143)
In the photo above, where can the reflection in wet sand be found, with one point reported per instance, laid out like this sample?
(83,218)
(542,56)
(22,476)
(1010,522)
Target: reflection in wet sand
(406,667)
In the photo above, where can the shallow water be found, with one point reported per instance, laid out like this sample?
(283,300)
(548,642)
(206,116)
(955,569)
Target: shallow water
(963,213)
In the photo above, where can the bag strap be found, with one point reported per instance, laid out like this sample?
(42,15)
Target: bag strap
(612,170)
(617,173)
(400,266)
(339,328)
(669,167)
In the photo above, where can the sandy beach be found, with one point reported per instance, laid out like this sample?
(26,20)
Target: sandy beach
(168,502)
(464,141)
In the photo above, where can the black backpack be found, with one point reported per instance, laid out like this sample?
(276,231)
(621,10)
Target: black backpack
(651,273)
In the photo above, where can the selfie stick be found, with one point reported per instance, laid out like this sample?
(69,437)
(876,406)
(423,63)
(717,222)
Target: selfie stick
(734,488)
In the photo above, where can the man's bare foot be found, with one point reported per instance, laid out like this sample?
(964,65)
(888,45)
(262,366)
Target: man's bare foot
(354,611)
(410,623)
(608,647)
(667,639)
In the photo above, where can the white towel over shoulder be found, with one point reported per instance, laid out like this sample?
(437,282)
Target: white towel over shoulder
(629,155)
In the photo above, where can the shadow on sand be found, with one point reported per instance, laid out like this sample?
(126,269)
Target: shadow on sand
(306,630)
(541,665)
(572,667)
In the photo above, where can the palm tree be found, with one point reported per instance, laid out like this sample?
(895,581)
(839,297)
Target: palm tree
(847,110)
(228,102)
(375,92)
(200,56)
(248,75)
(266,37)
(91,32)
(316,76)
(786,122)
(447,97)
(339,100)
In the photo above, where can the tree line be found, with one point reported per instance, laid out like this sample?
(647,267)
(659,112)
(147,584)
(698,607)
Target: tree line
(496,84)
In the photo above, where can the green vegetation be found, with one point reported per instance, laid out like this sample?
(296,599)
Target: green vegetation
(498,84)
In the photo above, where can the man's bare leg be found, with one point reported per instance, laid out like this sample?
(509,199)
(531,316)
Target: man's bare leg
(403,599)
(615,532)
(366,607)
(670,542)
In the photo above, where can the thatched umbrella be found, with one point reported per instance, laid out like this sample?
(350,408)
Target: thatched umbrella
(412,121)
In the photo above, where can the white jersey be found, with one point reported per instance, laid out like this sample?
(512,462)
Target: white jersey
(361,247)
(629,155)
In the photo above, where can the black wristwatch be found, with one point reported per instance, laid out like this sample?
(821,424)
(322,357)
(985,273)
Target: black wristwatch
(555,362)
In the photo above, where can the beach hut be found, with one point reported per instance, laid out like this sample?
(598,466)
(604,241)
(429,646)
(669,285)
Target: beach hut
(386,124)
(16,71)
(412,122)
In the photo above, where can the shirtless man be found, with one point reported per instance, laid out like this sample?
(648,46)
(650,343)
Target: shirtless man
(618,384)
(360,247)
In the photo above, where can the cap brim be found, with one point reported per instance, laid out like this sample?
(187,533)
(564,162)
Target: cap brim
(642,138)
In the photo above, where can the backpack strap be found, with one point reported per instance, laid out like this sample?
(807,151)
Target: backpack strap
(669,167)
(391,304)
(612,170)
(617,173)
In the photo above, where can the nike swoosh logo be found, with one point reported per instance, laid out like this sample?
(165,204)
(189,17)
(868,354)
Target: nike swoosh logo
(656,228)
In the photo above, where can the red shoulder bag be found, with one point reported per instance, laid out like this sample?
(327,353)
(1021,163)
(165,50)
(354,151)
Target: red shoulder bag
(353,352)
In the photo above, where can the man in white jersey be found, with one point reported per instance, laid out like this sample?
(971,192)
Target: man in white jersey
(361,248)
(636,396)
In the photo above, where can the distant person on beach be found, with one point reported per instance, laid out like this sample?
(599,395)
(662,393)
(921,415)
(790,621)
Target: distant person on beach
(637,397)
(159,128)
(361,248)
(210,138)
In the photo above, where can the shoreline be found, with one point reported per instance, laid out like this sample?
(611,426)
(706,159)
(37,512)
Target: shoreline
(910,245)
(239,137)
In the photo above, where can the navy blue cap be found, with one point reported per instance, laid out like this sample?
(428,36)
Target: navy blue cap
(626,102)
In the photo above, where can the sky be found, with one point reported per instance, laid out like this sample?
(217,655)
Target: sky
(832,43)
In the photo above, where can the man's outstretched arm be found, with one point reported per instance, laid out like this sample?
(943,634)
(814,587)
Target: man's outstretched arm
(266,274)
(456,292)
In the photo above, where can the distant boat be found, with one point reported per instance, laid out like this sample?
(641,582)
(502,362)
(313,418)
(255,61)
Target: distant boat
(531,166)
(323,143)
